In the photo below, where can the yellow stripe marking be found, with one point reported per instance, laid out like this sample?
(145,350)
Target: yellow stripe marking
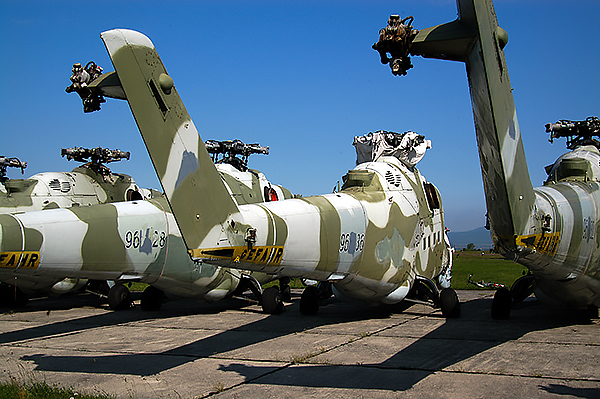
(546,243)
(21,260)
(262,255)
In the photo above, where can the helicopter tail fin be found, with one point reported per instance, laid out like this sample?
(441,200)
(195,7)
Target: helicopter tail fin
(476,39)
(199,199)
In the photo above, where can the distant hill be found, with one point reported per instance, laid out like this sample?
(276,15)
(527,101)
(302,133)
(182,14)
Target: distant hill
(480,237)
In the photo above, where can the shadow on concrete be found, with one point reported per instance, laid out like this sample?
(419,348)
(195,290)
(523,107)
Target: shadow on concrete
(559,389)
(174,309)
(145,364)
(453,341)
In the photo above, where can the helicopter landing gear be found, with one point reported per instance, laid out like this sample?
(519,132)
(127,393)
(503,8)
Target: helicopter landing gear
(12,296)
(312,296)
(119,297)
(309,301)
(504,299)
(284,289)
(152,299)
(449,303)
(425,292)
(501,304)
(271,301)
(522,288)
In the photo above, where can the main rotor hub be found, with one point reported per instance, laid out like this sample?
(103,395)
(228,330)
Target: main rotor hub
(396,39)
(95,157)
(234,152)
(10,163)
(577,133)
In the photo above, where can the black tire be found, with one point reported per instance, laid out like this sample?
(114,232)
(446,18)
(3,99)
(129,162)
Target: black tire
(284,289)
(271,301)
(309,301)
(152,299)
(449,303)
(325,290)
(286,293)
(12,296)
(119,297)
(591,312)
(521,288)
(501,304)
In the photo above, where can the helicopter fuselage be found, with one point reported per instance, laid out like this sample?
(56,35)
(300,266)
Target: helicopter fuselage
(560,242)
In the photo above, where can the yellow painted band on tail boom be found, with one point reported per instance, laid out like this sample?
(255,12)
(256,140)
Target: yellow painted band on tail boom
(21,260)
(262,255)
(546,243)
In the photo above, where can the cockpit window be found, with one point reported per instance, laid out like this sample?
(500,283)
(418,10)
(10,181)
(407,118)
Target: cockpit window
(133,195)
(270,194)
(432,196)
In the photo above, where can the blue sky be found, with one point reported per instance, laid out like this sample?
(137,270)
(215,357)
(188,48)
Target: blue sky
(298,76)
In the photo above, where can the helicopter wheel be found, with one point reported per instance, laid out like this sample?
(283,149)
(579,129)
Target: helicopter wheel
(13,296)
(449,303)
(152,298)
(592,312)
(522,288)
(309,301)
(325,290)
(271,301)
(501,304)
(284,289)
(119,297)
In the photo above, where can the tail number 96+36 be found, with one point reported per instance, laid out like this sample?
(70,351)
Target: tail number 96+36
(352,242)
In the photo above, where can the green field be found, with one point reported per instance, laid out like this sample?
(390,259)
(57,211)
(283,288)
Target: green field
(486,267)
(33,389)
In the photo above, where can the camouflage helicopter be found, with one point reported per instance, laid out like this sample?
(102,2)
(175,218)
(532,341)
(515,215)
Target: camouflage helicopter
(88,184)
(126,241)
(552,230)
(380,239)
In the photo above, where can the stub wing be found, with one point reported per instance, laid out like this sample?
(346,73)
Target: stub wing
(199,200)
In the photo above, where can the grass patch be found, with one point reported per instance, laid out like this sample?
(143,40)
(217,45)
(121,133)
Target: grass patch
(487,267)
(43,390)
(135,286)
(294,283)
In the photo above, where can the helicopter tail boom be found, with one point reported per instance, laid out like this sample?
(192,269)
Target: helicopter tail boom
(476,39)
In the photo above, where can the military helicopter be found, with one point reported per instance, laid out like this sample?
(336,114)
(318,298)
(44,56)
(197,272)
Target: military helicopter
(380,239)
(88,184)
(127,241)
(552,229)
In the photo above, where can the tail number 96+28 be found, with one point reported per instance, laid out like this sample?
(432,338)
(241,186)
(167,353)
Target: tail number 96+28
(144,238)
